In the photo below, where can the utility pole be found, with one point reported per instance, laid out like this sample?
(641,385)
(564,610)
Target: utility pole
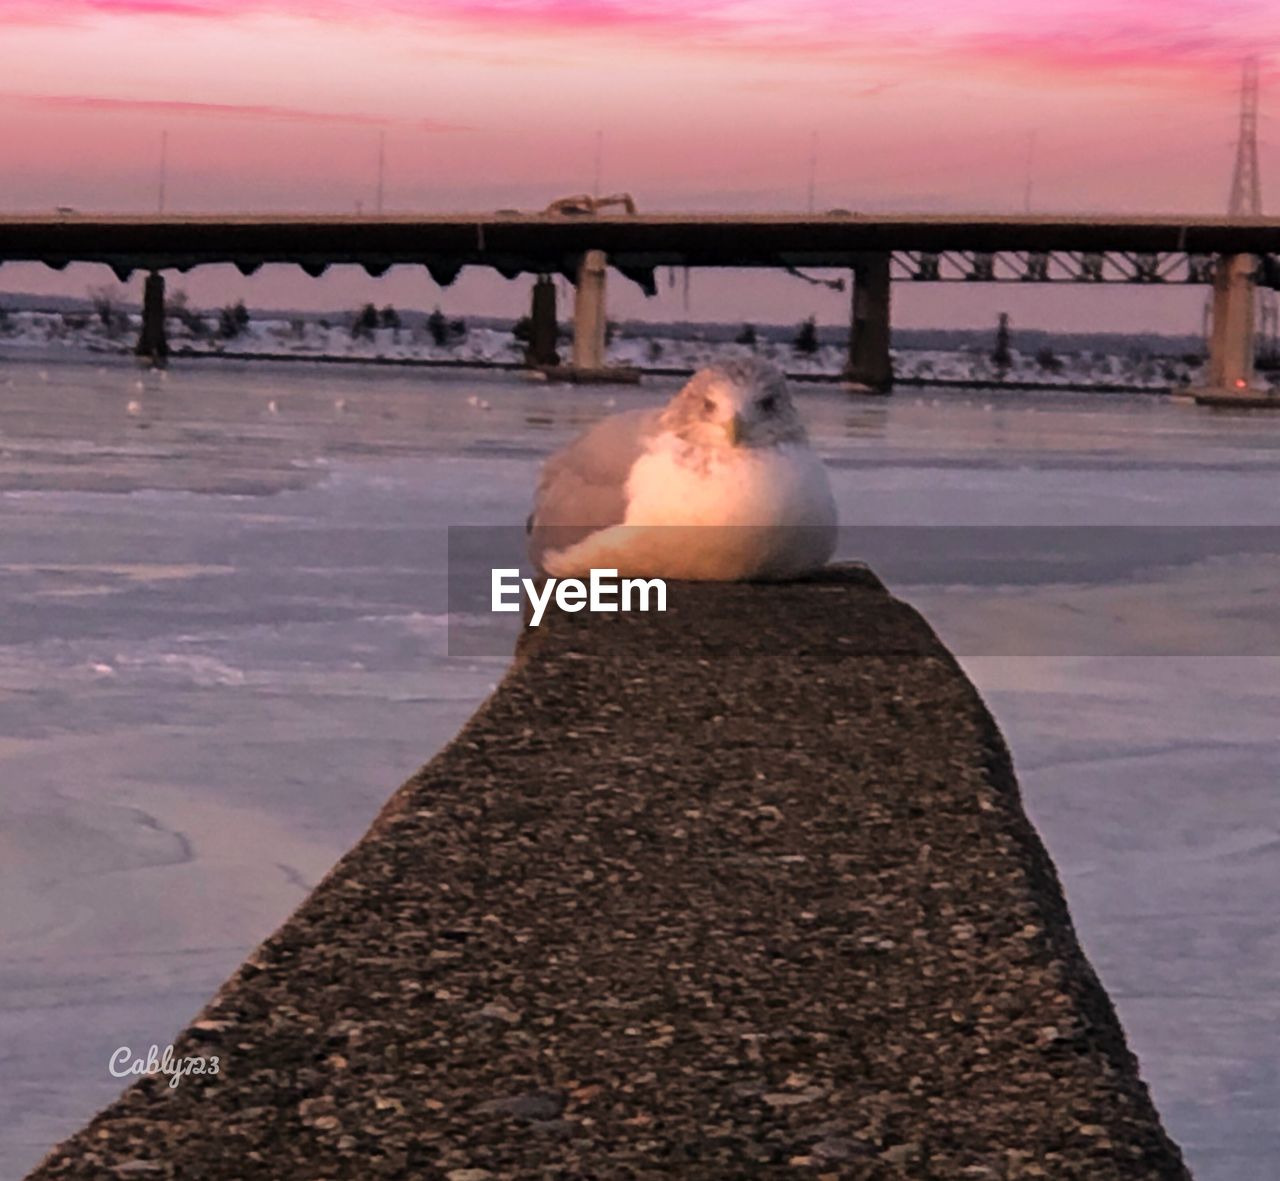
(382,169)
(1030,178)
(164,170)
(813,171)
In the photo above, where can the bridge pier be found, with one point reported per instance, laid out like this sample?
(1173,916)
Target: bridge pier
(1231,345)
(541,351)
(1230,375)
(870,365)
(153,343)
(589,328)
(589,320)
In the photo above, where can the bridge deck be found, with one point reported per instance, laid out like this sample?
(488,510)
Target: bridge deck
(515,243)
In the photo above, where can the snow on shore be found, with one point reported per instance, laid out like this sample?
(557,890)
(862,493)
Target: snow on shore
(318,339)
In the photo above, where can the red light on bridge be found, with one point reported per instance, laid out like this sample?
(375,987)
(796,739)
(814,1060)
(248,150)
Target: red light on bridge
(1241,383)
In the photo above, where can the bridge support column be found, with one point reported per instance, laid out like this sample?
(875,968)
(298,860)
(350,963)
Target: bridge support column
(543,329)
(1231,343)
(869,363)
(589,313)
(153,344)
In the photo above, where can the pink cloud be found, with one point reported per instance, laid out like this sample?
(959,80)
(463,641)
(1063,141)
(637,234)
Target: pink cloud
(784,86)
(1073,39)
(1149,42)
(107,105)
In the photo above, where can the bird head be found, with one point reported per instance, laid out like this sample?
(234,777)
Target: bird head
(737,403)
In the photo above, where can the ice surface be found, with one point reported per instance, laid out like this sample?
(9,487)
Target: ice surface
(222,644)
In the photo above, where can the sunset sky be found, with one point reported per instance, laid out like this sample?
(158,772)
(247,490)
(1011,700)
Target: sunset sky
(913,105)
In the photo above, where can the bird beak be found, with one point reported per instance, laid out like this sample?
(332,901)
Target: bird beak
(735,429)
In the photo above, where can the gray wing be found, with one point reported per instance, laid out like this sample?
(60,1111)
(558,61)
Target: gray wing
(582,488)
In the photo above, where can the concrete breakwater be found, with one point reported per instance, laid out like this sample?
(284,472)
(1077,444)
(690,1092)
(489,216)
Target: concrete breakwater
(744,889)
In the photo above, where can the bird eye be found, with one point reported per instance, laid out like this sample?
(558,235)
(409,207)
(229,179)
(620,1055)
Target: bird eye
(709,405)
(769,404)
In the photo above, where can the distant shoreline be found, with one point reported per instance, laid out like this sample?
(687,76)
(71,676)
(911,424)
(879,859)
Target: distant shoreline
(416,342)
(668,371)
(812,378)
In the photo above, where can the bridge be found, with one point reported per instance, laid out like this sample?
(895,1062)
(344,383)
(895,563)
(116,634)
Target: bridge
(1233,255)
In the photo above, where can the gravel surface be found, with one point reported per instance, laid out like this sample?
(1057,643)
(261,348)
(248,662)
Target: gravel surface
(740,890)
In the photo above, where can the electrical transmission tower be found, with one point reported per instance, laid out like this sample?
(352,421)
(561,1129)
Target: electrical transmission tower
(1246,201)
(1246,184)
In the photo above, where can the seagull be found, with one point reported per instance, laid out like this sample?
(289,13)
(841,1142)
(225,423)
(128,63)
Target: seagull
(718,485)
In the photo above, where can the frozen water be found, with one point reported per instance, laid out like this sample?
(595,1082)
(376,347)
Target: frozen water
(223,643)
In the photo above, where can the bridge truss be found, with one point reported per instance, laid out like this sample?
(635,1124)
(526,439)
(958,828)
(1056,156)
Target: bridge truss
(1037,266)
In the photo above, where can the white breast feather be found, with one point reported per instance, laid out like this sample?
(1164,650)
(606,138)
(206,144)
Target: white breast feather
(737,514)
